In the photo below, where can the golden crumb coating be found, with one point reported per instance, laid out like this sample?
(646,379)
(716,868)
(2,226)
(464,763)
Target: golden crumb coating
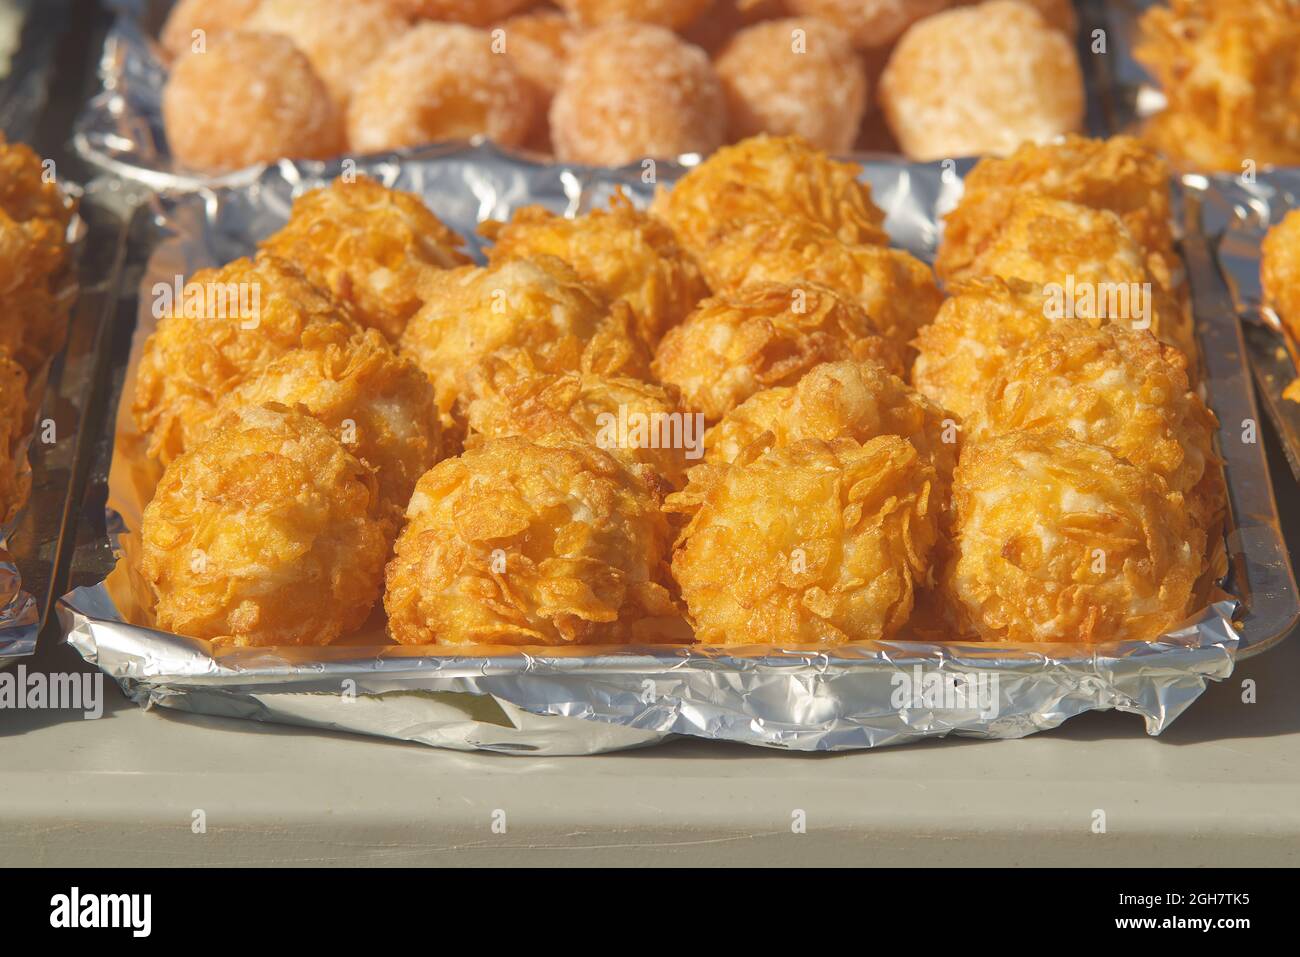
(673,14)
(478,13)
(370,246)
(1279,271)
(212,17)
(30,193)
(869,23)
(762,336)
(378,404)
(620,252)
(642,422)
(265,534)
(524,543)
(228,324)
(895,289)
(812,543)
(15,477)
(769,177)
(538,305)
(1059,540)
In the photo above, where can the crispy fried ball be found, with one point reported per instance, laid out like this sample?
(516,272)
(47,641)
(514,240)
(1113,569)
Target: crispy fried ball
(29,195)
(369,246)
(892,286)
(439,81)
(1279,271)
(340,39)
(632,91)
(230,324)
(763,336)
(794,76)
(673,14)
(522,543)
(478,13)
(766,177)
(1059,540)
(1119,389)
(870,23)
(621,252)
(377,403)
(265,534)
(15,477)
(537,305)
(248,98)
(627,417)
(812,543)
(981,80)
(213,17)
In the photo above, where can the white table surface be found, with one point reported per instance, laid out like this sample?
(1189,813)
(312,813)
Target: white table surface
(1221,786)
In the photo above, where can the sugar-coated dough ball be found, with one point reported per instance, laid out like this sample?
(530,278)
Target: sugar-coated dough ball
(248,98)
(869,23)
(369,246)
(265,534)
(813,543)
(673,14)
(15,480)
(522,543)
(478,13)
(1279,270)
(633,91)
(212,17)
(1059,540)
(981,80)
(437,82)
(799,76)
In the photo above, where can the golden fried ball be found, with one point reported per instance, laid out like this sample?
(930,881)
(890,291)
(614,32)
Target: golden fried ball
(537,305)
(762,336)
(369,246)
(212,17)
(377,403)
(477,13)
(767,177)
(794,76)
(265,534)
(230,324)
(520,543)
(870,23)
(632,91)
(981,80)
(1279,270)
(248,98)
(812,543)
(33,323)
(439,81)
(673,14)
(340,39)
(15,477)
(1059,540)
(30,195)
(621,252)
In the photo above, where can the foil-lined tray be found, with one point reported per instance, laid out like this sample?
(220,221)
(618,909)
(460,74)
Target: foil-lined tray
(587,700)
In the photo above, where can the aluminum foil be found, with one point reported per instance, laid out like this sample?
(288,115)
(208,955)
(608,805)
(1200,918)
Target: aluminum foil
(585,700)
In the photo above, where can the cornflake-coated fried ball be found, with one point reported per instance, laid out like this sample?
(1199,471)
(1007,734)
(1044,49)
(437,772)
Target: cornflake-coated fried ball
(794,76)
(870,23)
(763,336)
(229,324)
(522,543)
(265,534)
(340,39)
(673,14)
(632,91)
(212,17)
(477,13)
(30,196)
(15,479)
(369,246)
(812,543)
(377,403)
(437,82)
(621,252)
(771,177)
(981,80)
(1059,540)
(248,98)
(1279,271)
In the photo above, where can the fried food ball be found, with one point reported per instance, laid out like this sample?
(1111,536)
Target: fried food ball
(1279,271)
(622,253)
(870,23)
(644,423)
(892,286)
(15,477)
(522,543)
(771,177)
(248,98)
(439,81)
(812,543)
(229,324)
(30,195)
(632,91)
(370,246)
(1059,540)
(378,404)
(673,14)
(763,336)
(33,323)
(794,76)
(340,39)
(981,80)
(265,534)
(477,13)
(1059,14)
(1118,389)
(537,305)
(213,17)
